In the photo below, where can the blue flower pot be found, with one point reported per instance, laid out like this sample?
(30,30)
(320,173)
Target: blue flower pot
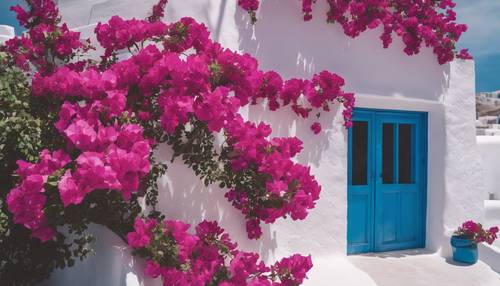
(464,250)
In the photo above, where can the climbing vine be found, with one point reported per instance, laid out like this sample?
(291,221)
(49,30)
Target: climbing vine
(418,23)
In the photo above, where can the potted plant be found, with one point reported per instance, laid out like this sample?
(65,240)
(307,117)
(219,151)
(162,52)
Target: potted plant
(465,239)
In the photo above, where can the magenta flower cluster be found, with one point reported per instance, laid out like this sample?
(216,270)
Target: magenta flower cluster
(158,11)
(207,254)
(44,35)
(289,184)
(27,200)
(250,6)
(417,23)
(119,34)
(121,164)
(475,232)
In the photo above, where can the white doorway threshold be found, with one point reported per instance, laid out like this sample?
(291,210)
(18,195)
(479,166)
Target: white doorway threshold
(399,268)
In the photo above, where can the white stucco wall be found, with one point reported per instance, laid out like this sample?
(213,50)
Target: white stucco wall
(381,78)
(489,149)
(6,32)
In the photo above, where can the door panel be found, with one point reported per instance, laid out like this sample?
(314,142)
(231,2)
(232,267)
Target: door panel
(387,149)
(386,200)
(361,184)
(406,150)
(387,230)
(360,154)
(361,218)
(392,187)
(408,211)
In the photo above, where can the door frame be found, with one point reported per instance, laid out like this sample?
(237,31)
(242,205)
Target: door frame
(373,181)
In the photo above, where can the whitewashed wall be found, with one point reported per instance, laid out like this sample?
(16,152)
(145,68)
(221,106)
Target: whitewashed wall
(382,78)
(6,32)
(489,148)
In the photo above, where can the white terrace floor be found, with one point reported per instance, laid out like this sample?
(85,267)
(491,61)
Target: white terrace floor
(406,268)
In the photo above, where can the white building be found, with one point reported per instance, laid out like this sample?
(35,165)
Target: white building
(488,113)
(490,98)
(413,113)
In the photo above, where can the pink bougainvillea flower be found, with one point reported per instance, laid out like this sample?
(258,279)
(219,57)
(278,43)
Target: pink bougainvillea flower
(316,127)
(141,236)
(292,270)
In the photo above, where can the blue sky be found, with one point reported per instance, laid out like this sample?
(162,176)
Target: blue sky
(482,38)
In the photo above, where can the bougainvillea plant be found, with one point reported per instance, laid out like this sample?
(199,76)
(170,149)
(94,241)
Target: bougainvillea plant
(475,232)
(23,134)
(103,118)
(418,23)
(179,88)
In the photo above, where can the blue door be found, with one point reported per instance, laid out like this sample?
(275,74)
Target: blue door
(386,181)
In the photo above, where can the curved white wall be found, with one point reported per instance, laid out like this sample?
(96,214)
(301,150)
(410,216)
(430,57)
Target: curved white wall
(382,78)
(6,33)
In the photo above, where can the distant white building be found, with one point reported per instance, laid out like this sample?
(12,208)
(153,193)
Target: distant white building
(488,111)
(492,98)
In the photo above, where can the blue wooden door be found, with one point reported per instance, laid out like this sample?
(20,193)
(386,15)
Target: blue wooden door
(387,181)
(361,195)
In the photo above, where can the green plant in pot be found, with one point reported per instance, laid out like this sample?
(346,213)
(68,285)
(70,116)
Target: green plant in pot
(465,239)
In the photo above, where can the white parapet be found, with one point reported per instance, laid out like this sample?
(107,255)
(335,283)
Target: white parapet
(6,33)
(492,212)
(490,254)
(492,132)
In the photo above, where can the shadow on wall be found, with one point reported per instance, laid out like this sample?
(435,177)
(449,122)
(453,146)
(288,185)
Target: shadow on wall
(283,42)
(80,13)
(110,264)
(398,254)
(77,13)
(285,124)
(203,11)
(184,197)
(436,184)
